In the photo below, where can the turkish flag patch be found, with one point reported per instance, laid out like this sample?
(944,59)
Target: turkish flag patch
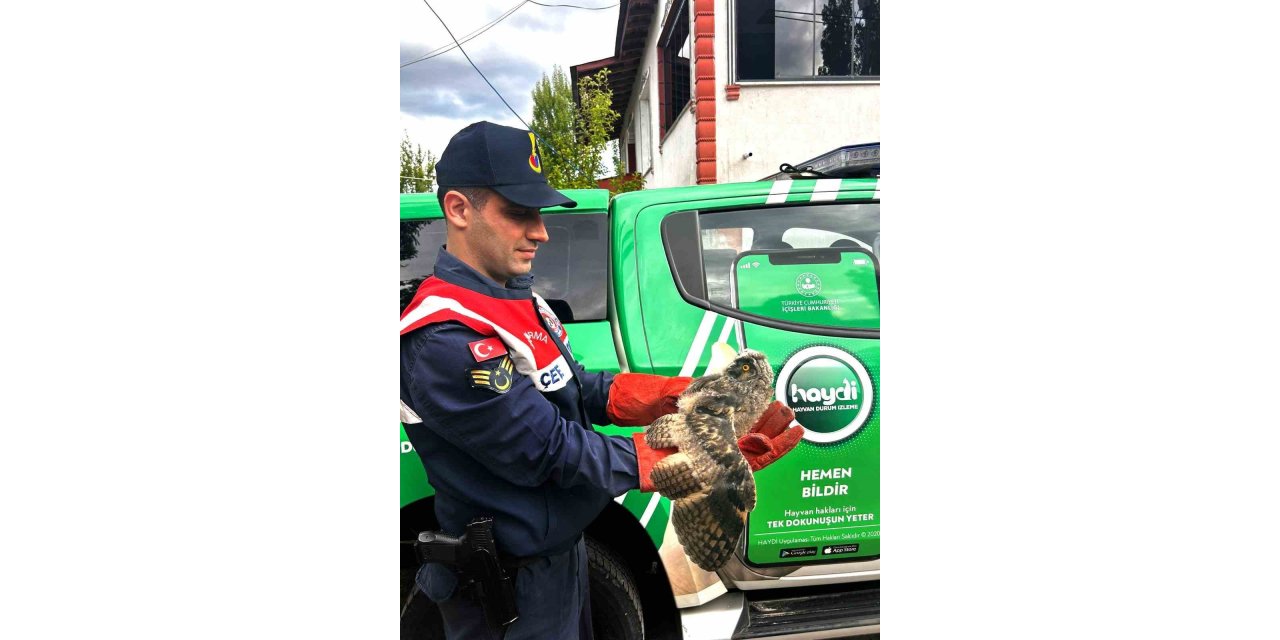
(487,349)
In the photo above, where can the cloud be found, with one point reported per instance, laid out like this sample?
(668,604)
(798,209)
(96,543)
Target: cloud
(444,94)
(536,18)
(448,86)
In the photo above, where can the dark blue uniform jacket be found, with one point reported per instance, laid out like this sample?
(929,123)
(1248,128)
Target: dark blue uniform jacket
(530,460)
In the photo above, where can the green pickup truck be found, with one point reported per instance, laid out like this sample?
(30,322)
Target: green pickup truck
(648,282)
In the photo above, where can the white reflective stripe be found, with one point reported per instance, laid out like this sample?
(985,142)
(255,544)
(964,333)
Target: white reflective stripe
(407,415)
(724,333)
(825,190)
(876,195)
(620,498)
(699,343)
(778,192)
(520,354)
(648,511)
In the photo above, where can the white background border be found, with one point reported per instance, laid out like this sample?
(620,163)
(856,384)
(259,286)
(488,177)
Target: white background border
(197,426)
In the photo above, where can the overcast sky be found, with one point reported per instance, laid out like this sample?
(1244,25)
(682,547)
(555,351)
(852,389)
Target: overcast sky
(442,95)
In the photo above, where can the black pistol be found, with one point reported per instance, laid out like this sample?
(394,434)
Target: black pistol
(475,557)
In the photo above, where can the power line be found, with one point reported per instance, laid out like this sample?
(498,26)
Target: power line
(498,93)
(467,38)
(608,6)
(473,64)
(475,34)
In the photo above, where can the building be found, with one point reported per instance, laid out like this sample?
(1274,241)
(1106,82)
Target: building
(727,90)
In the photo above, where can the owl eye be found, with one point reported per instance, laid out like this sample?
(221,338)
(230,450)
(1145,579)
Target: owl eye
(746,367)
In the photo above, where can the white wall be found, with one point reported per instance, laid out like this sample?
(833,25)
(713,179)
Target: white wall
(791,123)
(677,165)
(674,158)
(646,84)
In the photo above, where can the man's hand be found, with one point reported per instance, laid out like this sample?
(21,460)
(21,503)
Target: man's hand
(638,399)
(771,436)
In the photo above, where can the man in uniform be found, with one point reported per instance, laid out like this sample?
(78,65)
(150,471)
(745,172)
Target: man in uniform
(500,412)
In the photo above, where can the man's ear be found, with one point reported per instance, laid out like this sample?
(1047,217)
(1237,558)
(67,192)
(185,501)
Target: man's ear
(456,208)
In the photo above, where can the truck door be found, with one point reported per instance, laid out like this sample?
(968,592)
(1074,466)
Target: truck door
(790,269)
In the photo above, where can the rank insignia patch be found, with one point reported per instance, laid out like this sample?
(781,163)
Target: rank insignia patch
(497,379)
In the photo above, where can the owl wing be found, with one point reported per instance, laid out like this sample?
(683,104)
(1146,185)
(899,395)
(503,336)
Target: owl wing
(710,523)
(673,476)
(663,432)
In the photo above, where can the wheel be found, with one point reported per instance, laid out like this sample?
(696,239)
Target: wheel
(419,616)
(615,603)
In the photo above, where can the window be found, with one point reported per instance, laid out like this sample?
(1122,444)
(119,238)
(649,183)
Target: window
(420,242)
(674,77)
(569,272)
(710,253)
(799,39)
(571,269)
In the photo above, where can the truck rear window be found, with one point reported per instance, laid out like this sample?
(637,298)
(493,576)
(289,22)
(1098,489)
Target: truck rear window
(713,254)
(570,270)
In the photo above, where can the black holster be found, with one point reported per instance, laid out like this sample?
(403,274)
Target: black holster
(480,574)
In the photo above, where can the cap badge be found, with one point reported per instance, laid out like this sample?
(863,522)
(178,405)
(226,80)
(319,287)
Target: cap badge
(535,162)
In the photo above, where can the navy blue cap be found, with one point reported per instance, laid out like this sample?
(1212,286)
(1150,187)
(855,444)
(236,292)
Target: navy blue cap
(504,159)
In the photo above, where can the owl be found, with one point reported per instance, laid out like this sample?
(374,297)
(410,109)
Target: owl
(708,480)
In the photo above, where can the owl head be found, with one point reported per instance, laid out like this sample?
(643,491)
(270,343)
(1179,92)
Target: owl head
(750,366)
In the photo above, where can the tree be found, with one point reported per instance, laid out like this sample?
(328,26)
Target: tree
(837,38)
(573,138)
(417,169)
(595,122)
(866,39)
(553,120)
(623,181)
(417,175)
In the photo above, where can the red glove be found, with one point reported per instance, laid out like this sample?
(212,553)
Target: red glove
(770,437)
(637,399)
(647,458)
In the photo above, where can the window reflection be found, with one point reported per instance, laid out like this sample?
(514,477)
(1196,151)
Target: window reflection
(835,55)
(778,39)
(570,270)
(793,47)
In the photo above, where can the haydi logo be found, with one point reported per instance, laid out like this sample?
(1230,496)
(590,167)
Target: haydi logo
(830,391)
(828,396)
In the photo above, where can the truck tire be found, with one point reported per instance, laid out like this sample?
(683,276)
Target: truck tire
(615,603)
